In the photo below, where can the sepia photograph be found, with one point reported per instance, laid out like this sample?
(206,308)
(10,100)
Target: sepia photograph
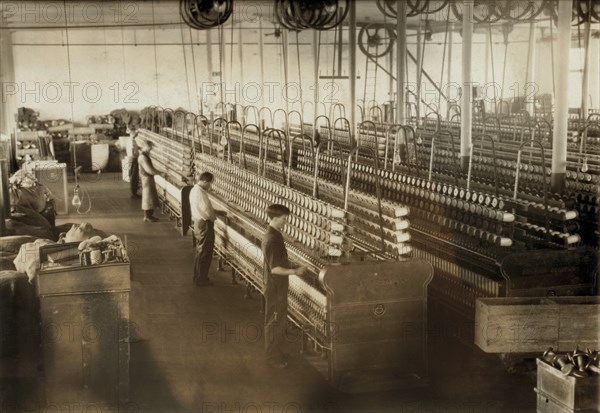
(299,206)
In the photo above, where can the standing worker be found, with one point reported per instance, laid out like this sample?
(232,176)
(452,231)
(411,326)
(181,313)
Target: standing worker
(147,172)
(203,215)
(134,171)
(277,268)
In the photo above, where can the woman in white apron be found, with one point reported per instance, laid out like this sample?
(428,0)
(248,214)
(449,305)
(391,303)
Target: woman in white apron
(147,172)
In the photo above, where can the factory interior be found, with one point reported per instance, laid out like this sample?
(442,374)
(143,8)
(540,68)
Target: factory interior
(419,180)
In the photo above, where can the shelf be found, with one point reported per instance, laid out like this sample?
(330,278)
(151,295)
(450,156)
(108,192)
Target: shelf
(27,136)
(32,151)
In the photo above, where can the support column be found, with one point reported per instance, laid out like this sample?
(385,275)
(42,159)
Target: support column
(316,61)
(597,52)
(419,70)
(585,86)
(401,61)
(529,84)
(352,57)
(561,113)
(209,61)
(241,58)
(449,79)
(488,42)
(4,197)
(222,64)
(286,67)
(261,58)
(466,109)
(8,106)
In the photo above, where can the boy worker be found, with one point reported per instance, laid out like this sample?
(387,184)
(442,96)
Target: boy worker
(204,216)
(277,268)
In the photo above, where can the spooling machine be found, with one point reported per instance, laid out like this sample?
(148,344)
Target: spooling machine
(361,294)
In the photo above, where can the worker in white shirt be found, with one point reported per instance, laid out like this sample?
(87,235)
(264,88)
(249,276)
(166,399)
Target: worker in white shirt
(203,215)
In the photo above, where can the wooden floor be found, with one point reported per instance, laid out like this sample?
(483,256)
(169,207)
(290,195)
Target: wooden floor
(200,349)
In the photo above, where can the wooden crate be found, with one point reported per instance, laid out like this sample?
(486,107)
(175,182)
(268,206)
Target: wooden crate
(531,325)
(547,404)
(560,393)
(84,315)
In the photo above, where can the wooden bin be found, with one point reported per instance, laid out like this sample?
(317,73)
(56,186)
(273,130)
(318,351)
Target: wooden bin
(84,330)
(559,393)
(531,325)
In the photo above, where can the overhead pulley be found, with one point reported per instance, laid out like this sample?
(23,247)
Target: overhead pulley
(376,40)
(205,14)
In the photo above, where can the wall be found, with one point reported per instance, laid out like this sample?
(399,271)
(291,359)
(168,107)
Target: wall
(116,68)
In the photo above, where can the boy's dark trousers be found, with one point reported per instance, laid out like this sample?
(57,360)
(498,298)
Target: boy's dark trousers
(204,232)
(276,309)
(134,176)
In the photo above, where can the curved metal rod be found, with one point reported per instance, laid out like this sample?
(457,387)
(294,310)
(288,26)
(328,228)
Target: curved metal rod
(377,187)
(494,160)
(156,118)
(303,137)
(583,136)
(409,106)
(296,102)
(341,108)
(150,117)
(538,130)
(330,142)
(230,148)
(528,120)
(229,110)
(181,113)
(220,105)
(446,132)
(380,112)
(239,113)
(261,120)
(316,127)
(203,125)
(372,127)
(212,132)
(412,132)
(452,106)
(316,130)
(300,118)
(165,123)
(496,121)
(543,171)
(593,115)
(387,145)
(456,115)
(242,140)
(361,110)
(505,102)
(395,129)
(315,109)
(256,114)
(285,117)
(439,119)
(346,122)
(371,104)
(146,122)
(271,132)
(185,130)
(304,109)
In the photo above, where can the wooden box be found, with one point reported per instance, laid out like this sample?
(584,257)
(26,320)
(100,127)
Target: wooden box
(560,393)
(84,330)
(531,325)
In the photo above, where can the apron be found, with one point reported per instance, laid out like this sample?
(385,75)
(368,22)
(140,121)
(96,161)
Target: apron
(149,193)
